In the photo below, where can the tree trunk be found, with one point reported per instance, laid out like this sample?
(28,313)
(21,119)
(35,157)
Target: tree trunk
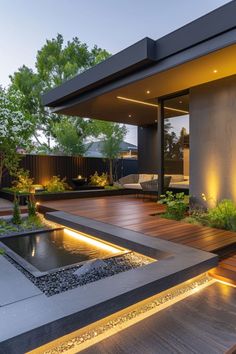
(110,172)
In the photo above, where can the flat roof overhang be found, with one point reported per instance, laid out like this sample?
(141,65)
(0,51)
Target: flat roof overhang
(185,58)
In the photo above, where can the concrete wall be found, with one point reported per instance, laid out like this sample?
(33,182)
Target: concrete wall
(213,140)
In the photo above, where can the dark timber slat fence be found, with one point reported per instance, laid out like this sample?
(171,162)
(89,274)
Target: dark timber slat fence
(42,168)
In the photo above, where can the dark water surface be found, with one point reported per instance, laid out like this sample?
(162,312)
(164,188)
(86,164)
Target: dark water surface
(54,249)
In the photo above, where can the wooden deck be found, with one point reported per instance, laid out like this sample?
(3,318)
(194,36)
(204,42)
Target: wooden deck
(226,270)
(136,214)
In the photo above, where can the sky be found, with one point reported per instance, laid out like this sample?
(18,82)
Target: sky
(111,24)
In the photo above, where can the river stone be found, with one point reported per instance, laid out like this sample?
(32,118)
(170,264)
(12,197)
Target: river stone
(93,264)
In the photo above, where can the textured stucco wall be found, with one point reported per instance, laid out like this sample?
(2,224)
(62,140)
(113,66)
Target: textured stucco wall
(213,140)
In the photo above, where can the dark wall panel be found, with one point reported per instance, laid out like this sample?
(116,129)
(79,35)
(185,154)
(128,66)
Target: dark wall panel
(148,153)
(147,149)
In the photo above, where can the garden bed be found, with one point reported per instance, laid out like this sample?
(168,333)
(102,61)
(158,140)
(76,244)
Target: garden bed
(28,225)
(49,196)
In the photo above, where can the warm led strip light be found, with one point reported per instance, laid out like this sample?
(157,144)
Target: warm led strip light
(92,241)
(85,337)
(150,104)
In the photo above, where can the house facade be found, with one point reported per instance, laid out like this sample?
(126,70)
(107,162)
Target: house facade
(186,79)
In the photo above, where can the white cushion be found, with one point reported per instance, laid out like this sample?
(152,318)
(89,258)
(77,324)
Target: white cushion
(132,186)
(145,177)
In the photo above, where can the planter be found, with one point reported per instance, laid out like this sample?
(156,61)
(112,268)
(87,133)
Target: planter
(91,192)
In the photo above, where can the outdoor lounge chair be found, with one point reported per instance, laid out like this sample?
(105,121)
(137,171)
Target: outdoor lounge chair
(134,181)
(152,186)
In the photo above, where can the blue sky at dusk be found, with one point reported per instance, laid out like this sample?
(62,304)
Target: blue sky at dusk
(111,24)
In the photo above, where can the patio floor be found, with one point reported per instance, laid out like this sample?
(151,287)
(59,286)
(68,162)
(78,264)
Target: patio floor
(135,213)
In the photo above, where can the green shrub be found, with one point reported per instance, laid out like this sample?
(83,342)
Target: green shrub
(23,184)
(2,251)
(32,222)
(57,185)
(223,216)
(192,220)
(176,205)
(16,219)
(97,180)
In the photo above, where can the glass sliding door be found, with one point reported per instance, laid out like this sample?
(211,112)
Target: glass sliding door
(176,141)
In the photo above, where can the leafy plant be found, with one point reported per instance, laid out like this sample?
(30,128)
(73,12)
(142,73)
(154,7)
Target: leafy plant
(16,219)
(97,180)
(176,205)
(223,216)
(56,184)
(32,222)
(23,184)
(2,251)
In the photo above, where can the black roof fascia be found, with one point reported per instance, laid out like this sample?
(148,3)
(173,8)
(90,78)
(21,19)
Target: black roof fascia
(128,60)
(145,53)
(224,40)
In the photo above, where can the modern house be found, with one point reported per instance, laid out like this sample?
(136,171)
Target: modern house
(189,74)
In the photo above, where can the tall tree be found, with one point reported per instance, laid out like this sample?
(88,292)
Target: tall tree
(111,135)
(56,62)
(15,131)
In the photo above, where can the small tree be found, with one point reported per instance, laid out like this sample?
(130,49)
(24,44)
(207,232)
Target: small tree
(111,135)
(15,131)
(32,206)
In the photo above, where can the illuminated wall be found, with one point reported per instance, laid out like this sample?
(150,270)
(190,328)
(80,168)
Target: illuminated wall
(213,140)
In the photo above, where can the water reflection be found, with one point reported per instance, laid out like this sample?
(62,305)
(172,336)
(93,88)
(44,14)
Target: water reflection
(54,249)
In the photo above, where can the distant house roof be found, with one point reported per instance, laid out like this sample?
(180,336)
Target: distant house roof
(95,148)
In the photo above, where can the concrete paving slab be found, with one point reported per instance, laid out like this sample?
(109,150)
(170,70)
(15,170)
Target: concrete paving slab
(13,284)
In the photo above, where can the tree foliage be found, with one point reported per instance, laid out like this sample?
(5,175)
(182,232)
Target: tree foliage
(56,62)
(70,135)
(15,130)
(173,144)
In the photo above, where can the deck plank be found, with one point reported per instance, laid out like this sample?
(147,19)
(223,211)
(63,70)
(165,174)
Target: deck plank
(196,325)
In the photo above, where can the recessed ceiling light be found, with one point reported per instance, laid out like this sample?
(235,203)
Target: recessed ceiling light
(180,102)
(148,92)
(215,71)
(155,120)
(130,115)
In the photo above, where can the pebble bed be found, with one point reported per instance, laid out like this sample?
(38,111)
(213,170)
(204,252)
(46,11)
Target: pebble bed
(117,322)
(63,280)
